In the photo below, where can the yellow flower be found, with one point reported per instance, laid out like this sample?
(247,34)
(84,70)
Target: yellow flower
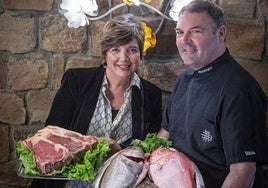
(149,38)
(135,2)
(128,2)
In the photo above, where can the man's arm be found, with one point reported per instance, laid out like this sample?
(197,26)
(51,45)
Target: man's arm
(241,175)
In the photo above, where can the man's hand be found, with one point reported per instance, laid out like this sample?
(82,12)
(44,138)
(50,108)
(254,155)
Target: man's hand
(163,134)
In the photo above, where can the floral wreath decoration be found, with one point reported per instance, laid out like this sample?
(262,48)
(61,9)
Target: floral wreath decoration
(80,12)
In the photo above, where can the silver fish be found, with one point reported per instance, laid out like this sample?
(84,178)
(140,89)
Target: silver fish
(124,169)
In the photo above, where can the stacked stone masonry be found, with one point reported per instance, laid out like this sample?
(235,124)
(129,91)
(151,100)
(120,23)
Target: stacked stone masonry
(36,47)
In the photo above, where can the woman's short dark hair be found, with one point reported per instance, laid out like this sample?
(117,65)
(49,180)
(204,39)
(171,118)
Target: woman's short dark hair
(120,30)
(213,10)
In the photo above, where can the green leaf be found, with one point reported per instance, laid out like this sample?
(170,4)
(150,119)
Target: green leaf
(27,159)
(85,170)
(151,143)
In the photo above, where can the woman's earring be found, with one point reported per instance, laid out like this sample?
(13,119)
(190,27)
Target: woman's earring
(104,64)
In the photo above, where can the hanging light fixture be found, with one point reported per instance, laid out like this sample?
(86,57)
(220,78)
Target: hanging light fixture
(80,12)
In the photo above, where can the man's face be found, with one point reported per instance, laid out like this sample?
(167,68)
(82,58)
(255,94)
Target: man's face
(197,42)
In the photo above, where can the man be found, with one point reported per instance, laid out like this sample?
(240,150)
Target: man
(217,111)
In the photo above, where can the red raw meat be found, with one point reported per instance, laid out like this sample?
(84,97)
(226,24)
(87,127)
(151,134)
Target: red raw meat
(53,147)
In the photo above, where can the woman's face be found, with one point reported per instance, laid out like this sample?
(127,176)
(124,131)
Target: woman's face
(197,42)
(123,61)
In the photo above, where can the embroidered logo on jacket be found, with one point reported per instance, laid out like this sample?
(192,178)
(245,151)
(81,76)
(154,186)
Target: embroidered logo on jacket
(206,136)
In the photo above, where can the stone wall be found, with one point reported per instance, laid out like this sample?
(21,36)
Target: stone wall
(36,47)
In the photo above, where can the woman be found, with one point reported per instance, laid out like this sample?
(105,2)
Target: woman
(109,101)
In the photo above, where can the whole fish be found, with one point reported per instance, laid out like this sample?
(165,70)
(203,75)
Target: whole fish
(171,168)
(125,169)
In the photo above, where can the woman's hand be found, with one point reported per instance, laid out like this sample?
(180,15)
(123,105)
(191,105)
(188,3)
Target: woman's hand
(114,146)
